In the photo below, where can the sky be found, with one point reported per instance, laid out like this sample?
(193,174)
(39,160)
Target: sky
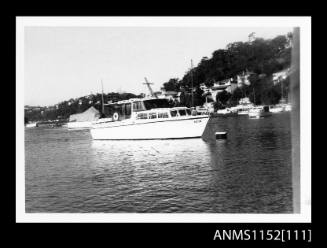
(61,63)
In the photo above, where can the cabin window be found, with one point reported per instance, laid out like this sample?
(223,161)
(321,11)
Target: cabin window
(188,111)
(173,113)
(124,110)
(142,116)
(266,108)
(156,103)
(111,109)
(128,109)
(182,112)
(163,115)
(152,115)
(138,106)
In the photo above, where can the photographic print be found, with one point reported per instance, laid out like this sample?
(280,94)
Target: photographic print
(130,116)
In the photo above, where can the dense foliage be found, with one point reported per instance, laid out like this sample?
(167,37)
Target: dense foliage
(260,56)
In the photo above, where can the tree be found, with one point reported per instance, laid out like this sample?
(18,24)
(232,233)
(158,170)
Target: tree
(223,97)
(172,85)
(235,97)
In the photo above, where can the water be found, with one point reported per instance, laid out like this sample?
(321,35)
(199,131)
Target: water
(250,172)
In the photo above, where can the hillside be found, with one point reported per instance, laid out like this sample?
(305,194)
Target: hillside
(261,57)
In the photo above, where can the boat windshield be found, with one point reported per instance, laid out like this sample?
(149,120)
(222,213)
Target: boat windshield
(173,113)
(182,112)
(156,103)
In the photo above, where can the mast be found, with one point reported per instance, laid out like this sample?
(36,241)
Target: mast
(281,85)
(149,87)
(192,82)
(102,101)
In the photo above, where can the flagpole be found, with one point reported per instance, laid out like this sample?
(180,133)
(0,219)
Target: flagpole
(102,97)
(192,82)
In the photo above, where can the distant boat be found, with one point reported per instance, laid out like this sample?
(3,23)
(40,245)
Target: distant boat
(259,112)
(282,106)
(227,112)
(244,106)
(285,105)
(288,107)
(276,109)
(31,124)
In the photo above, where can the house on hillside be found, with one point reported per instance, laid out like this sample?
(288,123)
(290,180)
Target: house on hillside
(227,84)
(172,95)
(243,79)
(205,89)
(281,75)
(222,85)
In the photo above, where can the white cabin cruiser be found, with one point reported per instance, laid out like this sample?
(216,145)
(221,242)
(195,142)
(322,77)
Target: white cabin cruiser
(147,118)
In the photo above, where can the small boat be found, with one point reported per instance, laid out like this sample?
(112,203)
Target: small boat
(244,106)
(202,111)
(281,107)
(243,111)
(226,112)
(259,112)
(31,124)
(287,107)
(276,109)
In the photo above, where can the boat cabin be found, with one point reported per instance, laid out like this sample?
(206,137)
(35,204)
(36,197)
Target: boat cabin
(125,109)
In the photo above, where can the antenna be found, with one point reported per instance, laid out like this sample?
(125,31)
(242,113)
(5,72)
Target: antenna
(102,97)
(192,82)
(149,87)
(281,85)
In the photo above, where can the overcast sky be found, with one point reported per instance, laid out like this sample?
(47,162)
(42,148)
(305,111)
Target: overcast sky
(69,62)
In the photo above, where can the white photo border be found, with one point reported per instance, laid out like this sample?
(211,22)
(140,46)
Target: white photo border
(304,23)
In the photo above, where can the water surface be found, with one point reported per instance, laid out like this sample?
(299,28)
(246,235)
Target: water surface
(249,172)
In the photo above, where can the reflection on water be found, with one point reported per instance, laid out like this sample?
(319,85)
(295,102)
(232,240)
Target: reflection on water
(249,172)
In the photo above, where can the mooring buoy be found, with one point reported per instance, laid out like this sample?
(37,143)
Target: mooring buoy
(221,135)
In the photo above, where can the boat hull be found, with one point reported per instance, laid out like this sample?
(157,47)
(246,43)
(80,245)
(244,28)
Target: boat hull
(178,128)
